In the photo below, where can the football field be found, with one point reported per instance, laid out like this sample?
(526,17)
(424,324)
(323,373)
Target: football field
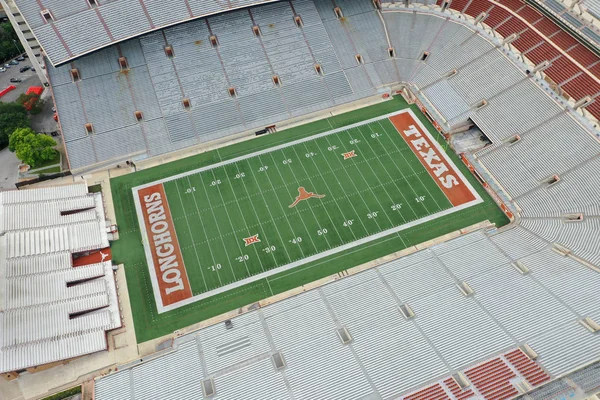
(277,210)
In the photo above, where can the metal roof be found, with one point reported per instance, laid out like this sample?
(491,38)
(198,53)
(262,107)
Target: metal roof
(77,28)
(50,310)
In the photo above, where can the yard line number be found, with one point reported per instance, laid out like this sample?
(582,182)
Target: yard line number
(214,267)
(190,190)
(420,199)
(296,240)
(269,249)
(396,207)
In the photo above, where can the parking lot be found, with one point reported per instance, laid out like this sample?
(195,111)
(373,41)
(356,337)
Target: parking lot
(29,78)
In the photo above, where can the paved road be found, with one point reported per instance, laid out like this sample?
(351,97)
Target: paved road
(43,122)
(8,169)
(29,79)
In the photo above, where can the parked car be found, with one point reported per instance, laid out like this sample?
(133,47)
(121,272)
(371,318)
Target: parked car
(13,62)
(25,68)
(16,80)
(33,69)
(7,65)
(2,69)
(21,58)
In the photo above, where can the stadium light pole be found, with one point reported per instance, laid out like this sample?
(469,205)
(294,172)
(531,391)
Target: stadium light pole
(17,47)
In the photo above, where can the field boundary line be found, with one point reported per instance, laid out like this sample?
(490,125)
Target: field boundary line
(318,256)
(274,148)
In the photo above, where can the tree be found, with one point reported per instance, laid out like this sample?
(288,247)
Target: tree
(30,147)
(12,116)
(10,46)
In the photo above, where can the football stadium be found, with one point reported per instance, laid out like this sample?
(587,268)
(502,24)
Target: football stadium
(308,199)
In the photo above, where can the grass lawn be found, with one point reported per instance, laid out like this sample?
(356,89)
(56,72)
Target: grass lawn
(52,161)
(51,170)
(369,200)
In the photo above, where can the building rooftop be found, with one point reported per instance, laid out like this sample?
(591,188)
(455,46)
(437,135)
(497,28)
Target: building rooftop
(51,310)
(69,29)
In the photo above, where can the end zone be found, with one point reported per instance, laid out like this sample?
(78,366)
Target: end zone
(433,159)
(167,269)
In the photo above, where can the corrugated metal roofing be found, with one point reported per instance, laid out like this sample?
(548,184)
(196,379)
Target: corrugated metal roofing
(38,309)
(77,28)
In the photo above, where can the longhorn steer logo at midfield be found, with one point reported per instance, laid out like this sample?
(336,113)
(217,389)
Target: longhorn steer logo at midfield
(304,195)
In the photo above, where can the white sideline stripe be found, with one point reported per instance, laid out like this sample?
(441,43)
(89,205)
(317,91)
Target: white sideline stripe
(161,309)
(315,257)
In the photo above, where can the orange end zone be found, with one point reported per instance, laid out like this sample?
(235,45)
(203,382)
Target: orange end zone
(442,172)
(170,272)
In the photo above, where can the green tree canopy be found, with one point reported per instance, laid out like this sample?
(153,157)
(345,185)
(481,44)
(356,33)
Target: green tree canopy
(10,46)
(12,116)
(30,147)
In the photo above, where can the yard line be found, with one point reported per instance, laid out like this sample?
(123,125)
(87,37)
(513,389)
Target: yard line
(366,139)
(256,214)
(346,194)
(231,223)
(330,191)
(283,209)
(271,215)
(216,223)
(191,235)
(311,209)
(366,183)
(412,169)
(380,183)
(296,208)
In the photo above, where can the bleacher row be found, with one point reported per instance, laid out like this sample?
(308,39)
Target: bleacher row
(203,72)
(553,142)
(574,67)
(449,332)
(41,292)
(228,85)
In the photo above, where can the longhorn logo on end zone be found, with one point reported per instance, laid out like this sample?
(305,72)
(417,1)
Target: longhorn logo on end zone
(169,270)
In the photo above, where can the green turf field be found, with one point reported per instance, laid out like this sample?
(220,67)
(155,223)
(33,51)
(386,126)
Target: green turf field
(380,201)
